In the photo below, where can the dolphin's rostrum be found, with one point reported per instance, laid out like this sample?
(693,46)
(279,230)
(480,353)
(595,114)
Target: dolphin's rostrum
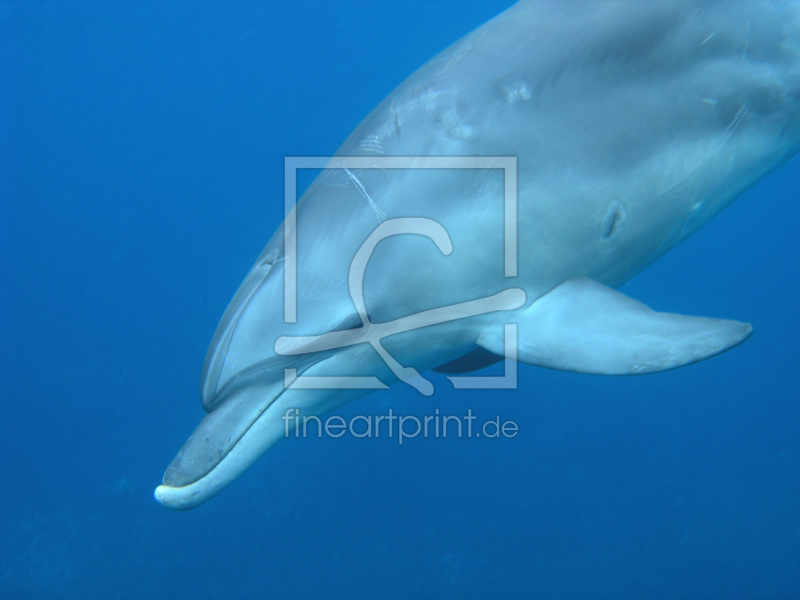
(629,125)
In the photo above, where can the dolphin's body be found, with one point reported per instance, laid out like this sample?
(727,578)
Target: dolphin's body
(633,124)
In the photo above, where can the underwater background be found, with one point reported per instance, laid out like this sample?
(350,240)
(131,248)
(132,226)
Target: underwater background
(142,148)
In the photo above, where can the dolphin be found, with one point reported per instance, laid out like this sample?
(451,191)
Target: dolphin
(490,206)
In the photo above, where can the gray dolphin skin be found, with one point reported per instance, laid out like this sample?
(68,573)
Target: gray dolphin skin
(617,127)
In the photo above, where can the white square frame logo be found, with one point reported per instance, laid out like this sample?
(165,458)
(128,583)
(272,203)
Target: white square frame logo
(508,164)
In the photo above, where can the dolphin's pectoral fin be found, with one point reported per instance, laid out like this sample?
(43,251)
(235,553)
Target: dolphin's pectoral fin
(586,327)
(474,360)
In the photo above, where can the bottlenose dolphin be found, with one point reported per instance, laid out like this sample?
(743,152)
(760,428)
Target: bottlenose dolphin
(585,138)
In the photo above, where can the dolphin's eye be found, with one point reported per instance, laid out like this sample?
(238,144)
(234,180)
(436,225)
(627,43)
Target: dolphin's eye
(268,260)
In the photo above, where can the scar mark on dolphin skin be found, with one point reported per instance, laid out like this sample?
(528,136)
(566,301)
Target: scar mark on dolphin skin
(371,143)
(360,187)
(515,89)
(737,119)
(708,39)
(462,49)
(395,120)
(729,131)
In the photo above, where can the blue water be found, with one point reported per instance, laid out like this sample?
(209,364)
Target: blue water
(142,151)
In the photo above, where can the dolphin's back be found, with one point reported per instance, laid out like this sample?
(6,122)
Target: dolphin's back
(595,83)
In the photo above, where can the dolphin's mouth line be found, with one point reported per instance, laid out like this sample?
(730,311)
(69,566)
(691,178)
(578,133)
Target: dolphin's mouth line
(185,496)
(201,454)
(237,408)
(275,365)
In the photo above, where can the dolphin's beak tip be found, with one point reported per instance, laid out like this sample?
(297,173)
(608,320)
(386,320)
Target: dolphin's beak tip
(159,494)
(169,497)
